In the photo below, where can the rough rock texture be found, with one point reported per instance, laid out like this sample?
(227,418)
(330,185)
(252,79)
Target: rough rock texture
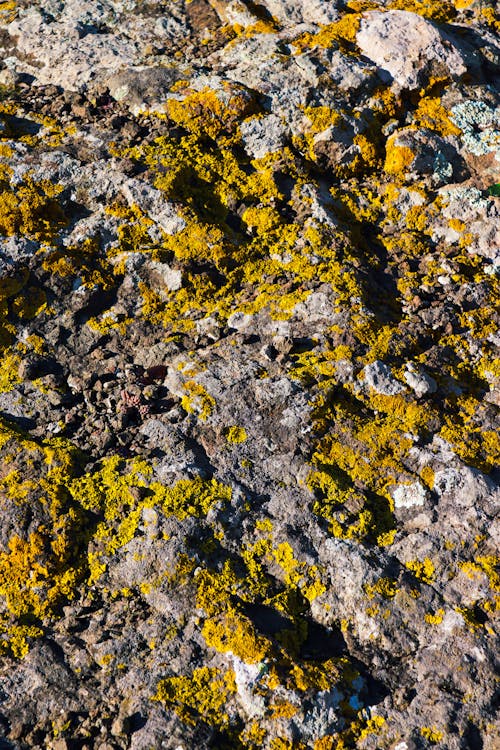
(249,374)
(408,47)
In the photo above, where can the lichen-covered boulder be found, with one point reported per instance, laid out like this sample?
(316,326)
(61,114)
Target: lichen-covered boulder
(249,375)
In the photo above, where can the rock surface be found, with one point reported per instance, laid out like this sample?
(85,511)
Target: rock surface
(249,374)
(409,48)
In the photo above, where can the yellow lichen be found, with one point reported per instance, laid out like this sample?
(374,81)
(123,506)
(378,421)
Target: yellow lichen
(431,114)
(31,209)
(261,219)
(204,695)
(491,18)
(209,113)
(436,618)
(474,444)
(398,159)
(283,710)
(342,32)
(487,565)
(385,587)
(457,224)
(440,11)
(15,639)
(427,476)
(197,400)
(235,633)
(83,262)
(298,573)
(253,736)
(359,729)
(235,434)
(110,491)
(423,569)
(8,11)
(322,118)
(9,365)
(432,734)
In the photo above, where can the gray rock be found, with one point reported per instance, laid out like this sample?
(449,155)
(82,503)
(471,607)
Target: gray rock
(263,135)
(152,202)
(162,276)
(348,74)
(236,12)
(345,571)
(408,48)
(240,321)
(140,88)
(44,50)
(480,214)
(315,11)
(378,376)
(14,251)
(419,381)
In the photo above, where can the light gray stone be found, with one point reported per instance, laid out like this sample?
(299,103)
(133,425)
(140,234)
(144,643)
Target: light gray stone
(151,201)
(141,87)
(310,11)
(419,381)
(263,135)
(56,54)
(409,496)
(407,47)
(378,376)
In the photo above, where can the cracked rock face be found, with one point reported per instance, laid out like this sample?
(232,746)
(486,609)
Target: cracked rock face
(249,374)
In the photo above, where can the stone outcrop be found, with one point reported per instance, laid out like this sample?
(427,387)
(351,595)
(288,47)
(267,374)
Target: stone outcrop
(249,374)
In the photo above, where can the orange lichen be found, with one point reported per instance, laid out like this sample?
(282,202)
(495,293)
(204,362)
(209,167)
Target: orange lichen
(431,114)
(235,633)
(398,159)
(440,11)
(209,113)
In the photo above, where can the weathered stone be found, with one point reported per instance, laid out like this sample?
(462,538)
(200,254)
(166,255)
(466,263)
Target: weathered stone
(316,11)
(407,48)
(378,376)
(409,496)
(248,375)
(263,135)
(419,381)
